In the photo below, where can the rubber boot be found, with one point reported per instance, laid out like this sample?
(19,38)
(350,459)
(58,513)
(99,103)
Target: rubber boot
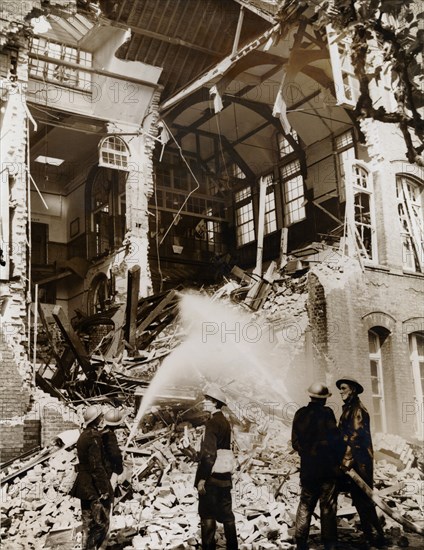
(230,535)
(208,528)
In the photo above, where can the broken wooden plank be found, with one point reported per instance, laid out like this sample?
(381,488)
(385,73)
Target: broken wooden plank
(63,361)
(116,345)
(133,287)
(73,340)
(172,295)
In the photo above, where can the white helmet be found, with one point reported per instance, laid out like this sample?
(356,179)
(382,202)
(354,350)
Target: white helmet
(214,391)
(91,413)
(113,417)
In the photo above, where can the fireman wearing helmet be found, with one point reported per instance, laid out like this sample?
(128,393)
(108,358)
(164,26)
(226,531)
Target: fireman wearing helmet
(113,456)
(92,485)
(316,438)
(213,476)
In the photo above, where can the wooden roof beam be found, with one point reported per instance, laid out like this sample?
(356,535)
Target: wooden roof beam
(218,70)
(173,40)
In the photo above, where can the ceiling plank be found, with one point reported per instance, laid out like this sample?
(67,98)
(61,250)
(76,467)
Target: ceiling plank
(174,40)
(262,13)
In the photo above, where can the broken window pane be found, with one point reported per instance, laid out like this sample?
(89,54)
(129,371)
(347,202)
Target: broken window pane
(411,224)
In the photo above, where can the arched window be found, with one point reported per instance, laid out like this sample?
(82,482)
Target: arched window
(376,338)
(360,214)
(114,153)
(410,209)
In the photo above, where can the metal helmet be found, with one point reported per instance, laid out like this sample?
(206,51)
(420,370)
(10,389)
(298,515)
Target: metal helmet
(91,413)
(113,417)
(319,390)
(352,382)
(214,391)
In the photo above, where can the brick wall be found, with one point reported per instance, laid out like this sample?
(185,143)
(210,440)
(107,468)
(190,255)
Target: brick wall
(317,312)
(56,418)
(363,301)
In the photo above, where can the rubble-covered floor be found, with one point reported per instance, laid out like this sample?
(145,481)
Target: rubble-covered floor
(156,503)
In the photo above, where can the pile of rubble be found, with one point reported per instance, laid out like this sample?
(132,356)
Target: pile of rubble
(156,502)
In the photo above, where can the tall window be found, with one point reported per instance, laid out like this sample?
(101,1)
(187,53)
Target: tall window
(293,192)
(72,73)
(416,348)
(363,204)
(344,148)
(410,210)
(270,211)
(244,216)
(376,368)
(210,231)
(106,216)
(345,82)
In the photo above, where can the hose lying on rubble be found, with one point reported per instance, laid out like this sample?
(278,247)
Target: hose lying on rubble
(381,504)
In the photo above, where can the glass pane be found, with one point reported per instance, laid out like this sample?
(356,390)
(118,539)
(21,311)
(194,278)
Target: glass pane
(242,194)
(344,140)
(373,342)
(374,368)
(375,386)
(290,168)
(420,344)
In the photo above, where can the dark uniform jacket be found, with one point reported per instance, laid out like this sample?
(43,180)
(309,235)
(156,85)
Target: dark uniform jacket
(316,438)
(217,436)
(92,479)
(113,455)
(354,425)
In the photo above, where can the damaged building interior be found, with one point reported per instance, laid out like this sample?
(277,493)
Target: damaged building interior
(155,147)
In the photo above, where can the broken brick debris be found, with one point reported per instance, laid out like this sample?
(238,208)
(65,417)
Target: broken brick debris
(156,502)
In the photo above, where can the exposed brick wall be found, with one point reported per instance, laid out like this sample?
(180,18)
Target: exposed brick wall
(56,419)
(317,312)
(11,441)
(14,397)
(374,298)
(31,434)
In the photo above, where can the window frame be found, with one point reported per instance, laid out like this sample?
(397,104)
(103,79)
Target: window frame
(416,360)
(239,203)
(60,64)
(270,221)
(355,242)
(345,82)
(409,233)
(376,357)
(285,180)
(123,153)
(344,156)
(103,239)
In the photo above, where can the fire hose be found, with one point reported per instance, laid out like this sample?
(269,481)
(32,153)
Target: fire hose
(381,504)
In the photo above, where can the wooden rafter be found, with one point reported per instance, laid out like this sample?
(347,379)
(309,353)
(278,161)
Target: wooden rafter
(173,40)
(219,69)
(210,113)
